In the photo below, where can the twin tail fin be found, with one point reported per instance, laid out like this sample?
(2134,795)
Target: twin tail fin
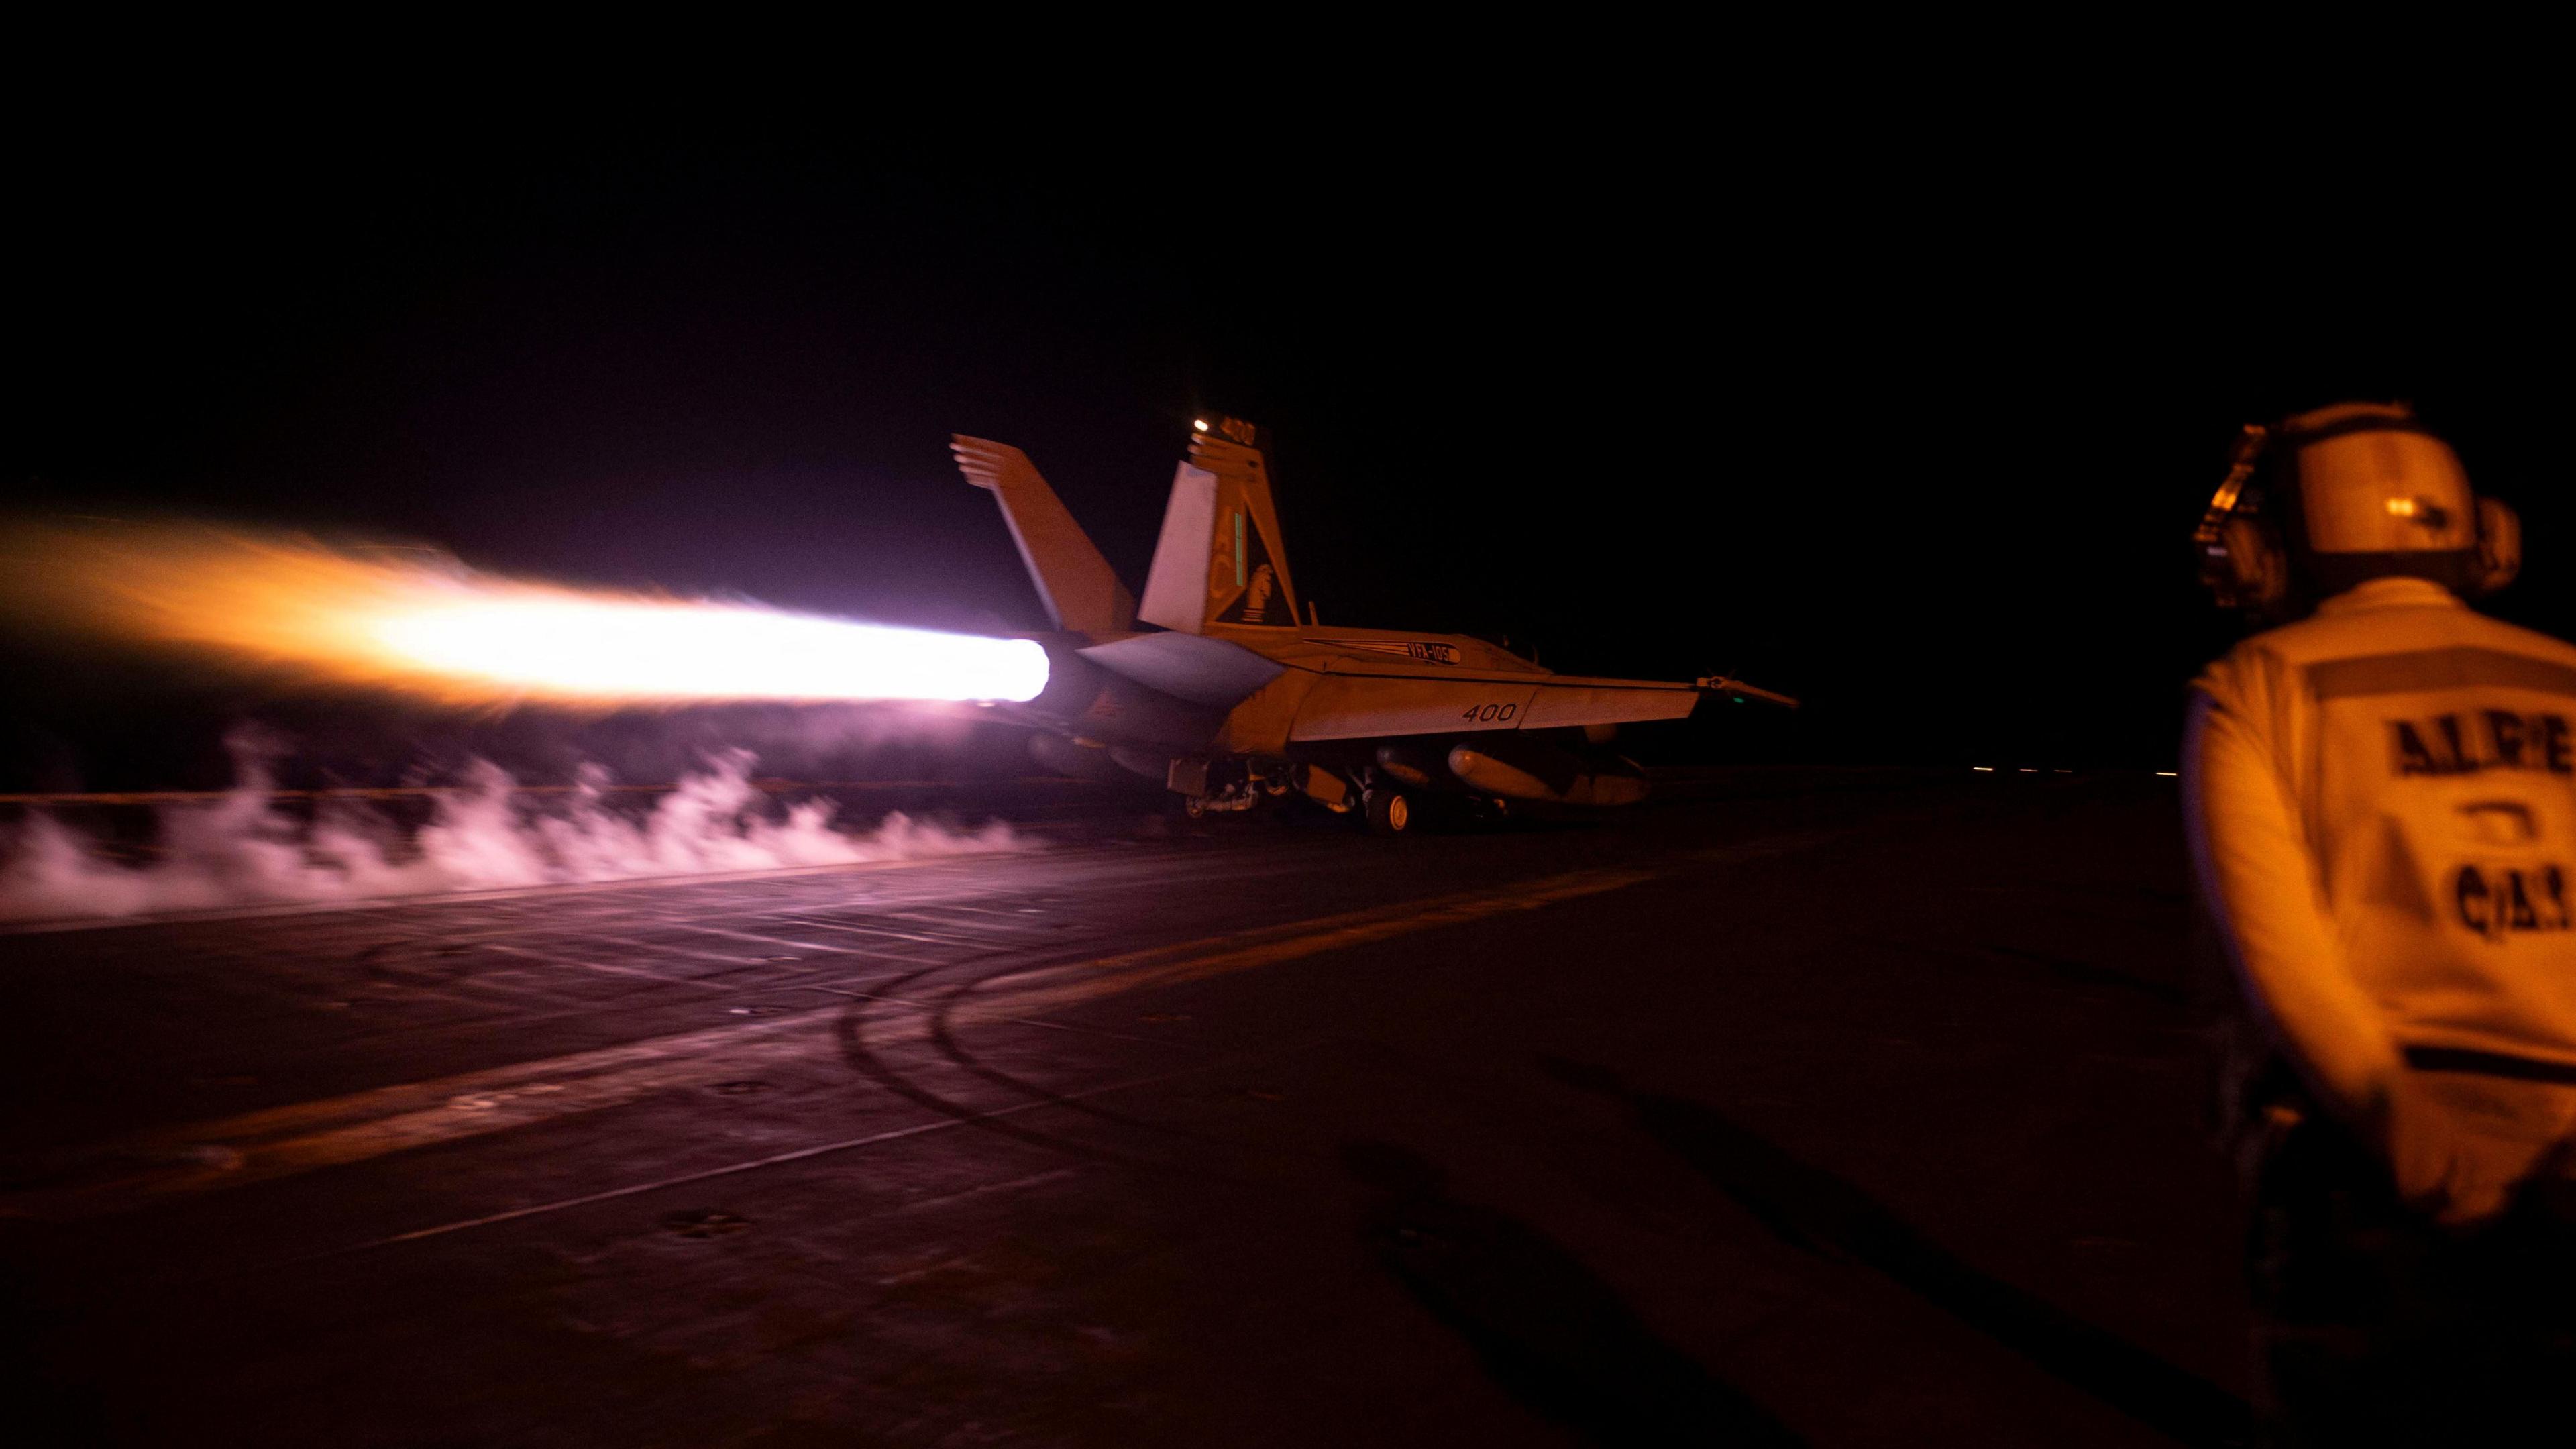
(1219,561)
(1081,592)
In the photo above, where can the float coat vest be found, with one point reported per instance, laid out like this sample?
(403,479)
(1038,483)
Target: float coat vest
(2382,809)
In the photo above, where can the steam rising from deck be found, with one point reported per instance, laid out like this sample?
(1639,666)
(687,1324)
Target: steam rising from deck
(432,626)
(245,849)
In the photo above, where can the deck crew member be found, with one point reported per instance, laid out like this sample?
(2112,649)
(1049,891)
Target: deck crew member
(2380,799)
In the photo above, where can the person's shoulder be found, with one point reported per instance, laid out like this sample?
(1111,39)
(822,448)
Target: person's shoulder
(2493,633)
(2270,659)
(2296,642)
(2249,668)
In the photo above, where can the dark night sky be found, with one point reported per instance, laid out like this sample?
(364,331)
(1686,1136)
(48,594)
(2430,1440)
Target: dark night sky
(1913,419)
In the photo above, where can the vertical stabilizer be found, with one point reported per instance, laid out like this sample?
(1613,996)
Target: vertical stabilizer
(1219,560)
(1081,592)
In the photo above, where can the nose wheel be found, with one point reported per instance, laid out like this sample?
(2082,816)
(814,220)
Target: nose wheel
(1390,811)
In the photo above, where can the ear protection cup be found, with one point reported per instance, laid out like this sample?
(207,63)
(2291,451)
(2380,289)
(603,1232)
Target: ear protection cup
(2258,568)
(2499,555)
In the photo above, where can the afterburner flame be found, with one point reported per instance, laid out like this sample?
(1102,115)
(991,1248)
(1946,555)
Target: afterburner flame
(424,624)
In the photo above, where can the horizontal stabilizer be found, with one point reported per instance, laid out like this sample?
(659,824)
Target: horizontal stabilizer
(1187,666)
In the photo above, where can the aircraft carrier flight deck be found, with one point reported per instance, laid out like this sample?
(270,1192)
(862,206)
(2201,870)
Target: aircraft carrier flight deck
(1844,1107)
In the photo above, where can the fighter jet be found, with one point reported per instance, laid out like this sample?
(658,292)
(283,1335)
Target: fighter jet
(1221,690)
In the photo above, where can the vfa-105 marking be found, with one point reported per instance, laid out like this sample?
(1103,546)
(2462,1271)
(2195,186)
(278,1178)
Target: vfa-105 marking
(1219,688)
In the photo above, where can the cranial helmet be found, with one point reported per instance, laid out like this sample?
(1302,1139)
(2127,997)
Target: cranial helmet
(2324,500)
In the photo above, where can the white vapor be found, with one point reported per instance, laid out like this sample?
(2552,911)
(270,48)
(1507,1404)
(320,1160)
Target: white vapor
(242,850)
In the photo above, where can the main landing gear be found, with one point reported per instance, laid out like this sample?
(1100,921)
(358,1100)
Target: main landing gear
(1391,806)
(1231,787)
(1390,809)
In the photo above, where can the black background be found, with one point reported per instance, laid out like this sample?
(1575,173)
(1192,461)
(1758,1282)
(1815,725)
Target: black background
(1909,412)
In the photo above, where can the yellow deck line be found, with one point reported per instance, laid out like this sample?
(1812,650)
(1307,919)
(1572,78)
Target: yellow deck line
(299,1137)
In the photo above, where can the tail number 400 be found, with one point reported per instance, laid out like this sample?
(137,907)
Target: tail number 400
(1489,713)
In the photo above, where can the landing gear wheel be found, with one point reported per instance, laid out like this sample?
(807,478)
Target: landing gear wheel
(1390,812)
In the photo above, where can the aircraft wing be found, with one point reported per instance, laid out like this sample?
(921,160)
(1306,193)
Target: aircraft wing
(1373,685)
(1344,706)
(1740,691)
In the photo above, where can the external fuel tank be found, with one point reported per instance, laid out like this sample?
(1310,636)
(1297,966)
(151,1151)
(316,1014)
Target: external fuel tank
(1518,767)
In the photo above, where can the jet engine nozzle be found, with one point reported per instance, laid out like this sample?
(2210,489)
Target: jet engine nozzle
(1086,699)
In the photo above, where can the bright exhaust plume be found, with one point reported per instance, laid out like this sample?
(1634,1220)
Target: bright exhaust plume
(419,622)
